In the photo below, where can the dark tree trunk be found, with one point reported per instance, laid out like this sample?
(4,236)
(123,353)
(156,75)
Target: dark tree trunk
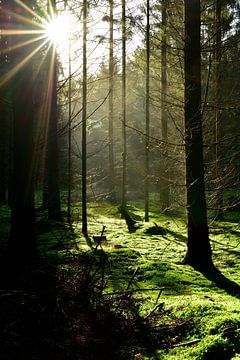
(51,181)
(198,246)
(3,154)
(147,114)
(69,199)
(124,133)
(164,189)
(3,114)
(218,117)
(84,124)
(23,242)
(110,112)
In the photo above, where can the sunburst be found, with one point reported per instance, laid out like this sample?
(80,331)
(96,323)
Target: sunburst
(31,34)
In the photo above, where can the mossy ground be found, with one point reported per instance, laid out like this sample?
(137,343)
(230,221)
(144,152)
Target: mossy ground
(194,307)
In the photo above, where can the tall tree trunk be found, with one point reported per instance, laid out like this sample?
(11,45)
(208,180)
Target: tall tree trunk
(84,124)
(124,133)
(147,115)
(218,117)
(52,198)
(3,182)
(3,114)
(164,189)
(198,245)
(23,242)
(69,134)
(110,110)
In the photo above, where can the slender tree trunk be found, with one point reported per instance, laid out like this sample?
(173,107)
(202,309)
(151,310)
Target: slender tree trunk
(3,115)
(23,242)
(147,115)
(69,134)
(218,117)
(52,151)
(84,124)
(3,196)
(164,190)
(198,246)
(110,111)
(124,133)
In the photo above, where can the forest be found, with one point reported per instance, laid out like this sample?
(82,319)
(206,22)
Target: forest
(119,179)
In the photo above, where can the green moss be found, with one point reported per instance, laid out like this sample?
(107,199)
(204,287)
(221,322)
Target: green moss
(212,314)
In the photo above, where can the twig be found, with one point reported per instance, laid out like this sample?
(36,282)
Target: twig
(189,343)
(132,278)
(153,310)
(133,291)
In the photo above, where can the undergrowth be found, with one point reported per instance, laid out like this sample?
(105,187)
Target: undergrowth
(130,298)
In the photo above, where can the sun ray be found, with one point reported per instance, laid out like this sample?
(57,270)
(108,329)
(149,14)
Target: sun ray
(24,18)
(22,44)
(29,10)
(19,66)
(43,59)
(20,32)
(51,10)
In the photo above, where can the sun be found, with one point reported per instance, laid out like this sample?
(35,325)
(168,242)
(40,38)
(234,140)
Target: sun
(57,30)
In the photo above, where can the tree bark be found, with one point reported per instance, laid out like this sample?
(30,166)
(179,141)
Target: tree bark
(124,133)
(198,246)
(69,199)
(218,116)
(51,182)
(110,109)
(147,109)
(84,124)
(23,243)
(3,182)
(164,189)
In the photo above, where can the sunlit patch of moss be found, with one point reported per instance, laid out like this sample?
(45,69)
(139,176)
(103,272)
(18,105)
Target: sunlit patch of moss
(188,296)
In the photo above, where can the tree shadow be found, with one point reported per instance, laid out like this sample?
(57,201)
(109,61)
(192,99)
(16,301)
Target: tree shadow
(222,282)
(159,230)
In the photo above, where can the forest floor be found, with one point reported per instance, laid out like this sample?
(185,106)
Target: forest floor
(129,297)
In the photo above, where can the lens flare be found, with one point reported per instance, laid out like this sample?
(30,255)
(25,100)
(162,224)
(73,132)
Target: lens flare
(57,29)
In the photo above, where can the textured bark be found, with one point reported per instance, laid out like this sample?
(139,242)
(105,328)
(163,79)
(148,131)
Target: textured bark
(3,182)
(147,115)
(69,199)
(124,133)
(110,110)
(22,234)
(52,190)
(164,189)
(84,124)
(218,117)
(198,245)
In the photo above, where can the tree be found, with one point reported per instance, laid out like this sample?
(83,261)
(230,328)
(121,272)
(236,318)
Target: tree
(23,242)
(147,114)
(198,245)
(218,120)
(52,190)
(3,182)
(124,133)
(164,186)
(110,112)
(84,124)
(3,113)
(69,132)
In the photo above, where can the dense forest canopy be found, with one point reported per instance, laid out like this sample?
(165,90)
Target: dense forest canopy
(118,103)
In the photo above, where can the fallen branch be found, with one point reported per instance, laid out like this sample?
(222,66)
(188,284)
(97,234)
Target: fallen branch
(189,343)
(153,310)
(120,292)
